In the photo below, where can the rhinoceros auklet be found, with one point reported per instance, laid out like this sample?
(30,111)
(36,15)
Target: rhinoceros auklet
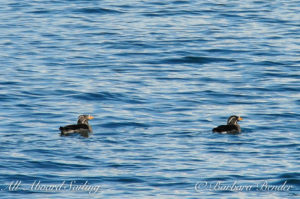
(232,126)
(82,127)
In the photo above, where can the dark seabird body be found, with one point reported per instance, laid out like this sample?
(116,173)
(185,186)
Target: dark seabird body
(82,127)
(232,126)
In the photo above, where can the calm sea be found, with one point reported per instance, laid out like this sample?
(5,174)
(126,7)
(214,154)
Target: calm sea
(157,76)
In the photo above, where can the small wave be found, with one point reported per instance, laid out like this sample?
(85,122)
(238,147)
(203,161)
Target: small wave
(98,96)
(124,179)
(161,13)
(40,11)
(292,178)
(55,165)
(115,165)
(197,60)
(6,98)
(108,96)
(97,11)
(168,184)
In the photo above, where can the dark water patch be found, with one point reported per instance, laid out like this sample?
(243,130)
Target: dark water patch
(110,141)
(211,80)
(247,130)
(54,165)
(83,157)
(226,51)
(280,74)
(282,146)
(273,20)
(129,44)
(137,54)
(108,96)
(170,12)
(146,158)
(7,98)
(291,178)
(196,60)
(41,152)
(21,177)
(124,179)
(266,54)
(168,184)
(179,2)
(122,150)
(97,11)
(125,166)
(62,92)
(270,63)
(216,179)
(178,170)
(229,95)
(41,11)
(34,94)
(11,83)
(235,15)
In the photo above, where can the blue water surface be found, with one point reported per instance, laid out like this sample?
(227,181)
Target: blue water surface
(157,76)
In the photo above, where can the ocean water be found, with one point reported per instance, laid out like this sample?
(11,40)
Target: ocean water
(157,76)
